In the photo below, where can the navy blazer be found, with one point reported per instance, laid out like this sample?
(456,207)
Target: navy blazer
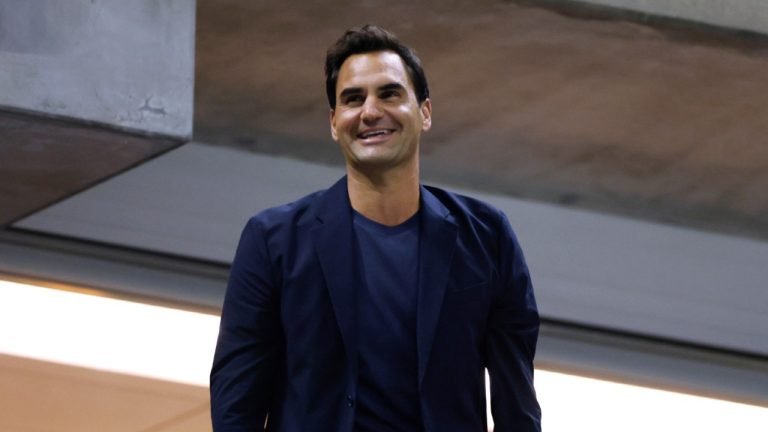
(286,358)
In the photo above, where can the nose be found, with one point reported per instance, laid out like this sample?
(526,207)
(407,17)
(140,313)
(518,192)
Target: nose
(370,110)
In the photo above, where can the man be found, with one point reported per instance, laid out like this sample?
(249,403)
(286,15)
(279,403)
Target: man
(377,304)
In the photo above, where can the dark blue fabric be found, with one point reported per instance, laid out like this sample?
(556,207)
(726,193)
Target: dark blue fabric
(287,351)
(387,395)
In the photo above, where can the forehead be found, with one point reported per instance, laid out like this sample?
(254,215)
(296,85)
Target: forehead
(374,68)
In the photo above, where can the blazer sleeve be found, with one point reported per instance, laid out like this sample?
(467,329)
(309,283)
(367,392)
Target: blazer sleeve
(249,347)
(512,334)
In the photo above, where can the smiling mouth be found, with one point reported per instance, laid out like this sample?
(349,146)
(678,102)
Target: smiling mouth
(374,133)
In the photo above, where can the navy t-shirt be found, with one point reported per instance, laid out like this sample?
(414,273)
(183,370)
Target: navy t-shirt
(387,395)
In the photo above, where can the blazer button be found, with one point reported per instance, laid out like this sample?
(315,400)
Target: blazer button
(350,401)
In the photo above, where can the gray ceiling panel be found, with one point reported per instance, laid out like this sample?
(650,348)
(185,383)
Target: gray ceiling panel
(192,201)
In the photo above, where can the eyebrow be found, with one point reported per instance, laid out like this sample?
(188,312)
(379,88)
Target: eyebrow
(391,86)
(357,90)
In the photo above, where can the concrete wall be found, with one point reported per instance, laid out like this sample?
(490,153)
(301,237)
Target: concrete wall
(749,15)
(128,64)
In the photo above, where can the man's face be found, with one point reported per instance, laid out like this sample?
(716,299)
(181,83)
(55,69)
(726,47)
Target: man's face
(377,120)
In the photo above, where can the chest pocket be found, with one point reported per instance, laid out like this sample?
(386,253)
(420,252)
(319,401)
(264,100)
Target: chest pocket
(469,288)
(465,307)
(469,291)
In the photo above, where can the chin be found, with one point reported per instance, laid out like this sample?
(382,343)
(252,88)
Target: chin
(374,162)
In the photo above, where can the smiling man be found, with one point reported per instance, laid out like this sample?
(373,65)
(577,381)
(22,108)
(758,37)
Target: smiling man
(377,304)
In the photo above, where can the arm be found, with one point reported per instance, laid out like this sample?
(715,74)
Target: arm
(249,348)
(512,334)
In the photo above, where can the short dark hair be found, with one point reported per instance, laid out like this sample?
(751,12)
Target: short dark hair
(371,38)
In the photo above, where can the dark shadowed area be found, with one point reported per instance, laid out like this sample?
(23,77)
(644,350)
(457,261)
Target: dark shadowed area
(44,160)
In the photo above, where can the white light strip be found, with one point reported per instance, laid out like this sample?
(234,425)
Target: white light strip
(173,345)
(106,334)
(573,403)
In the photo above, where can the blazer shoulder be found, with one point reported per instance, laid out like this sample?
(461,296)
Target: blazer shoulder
(468,210)
(287,215)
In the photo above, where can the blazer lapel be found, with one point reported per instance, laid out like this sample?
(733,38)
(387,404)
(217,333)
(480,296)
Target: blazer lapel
(437,245)
(336,249)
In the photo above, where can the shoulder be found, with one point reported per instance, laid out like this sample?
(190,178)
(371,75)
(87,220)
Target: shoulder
(289,211)
(289,214)
(466,210)
(305,211)
(481,224)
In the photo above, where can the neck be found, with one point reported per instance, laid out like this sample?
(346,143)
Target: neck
(389,198)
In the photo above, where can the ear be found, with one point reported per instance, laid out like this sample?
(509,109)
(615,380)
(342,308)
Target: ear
(333,125)
(426,114)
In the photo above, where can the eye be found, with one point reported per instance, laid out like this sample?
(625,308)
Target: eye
(353,99)
(389,94)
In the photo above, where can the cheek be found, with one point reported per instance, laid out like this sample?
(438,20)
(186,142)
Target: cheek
(344,122)
(407,115)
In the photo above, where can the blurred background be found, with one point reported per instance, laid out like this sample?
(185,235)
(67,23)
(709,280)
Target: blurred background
(624,139)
